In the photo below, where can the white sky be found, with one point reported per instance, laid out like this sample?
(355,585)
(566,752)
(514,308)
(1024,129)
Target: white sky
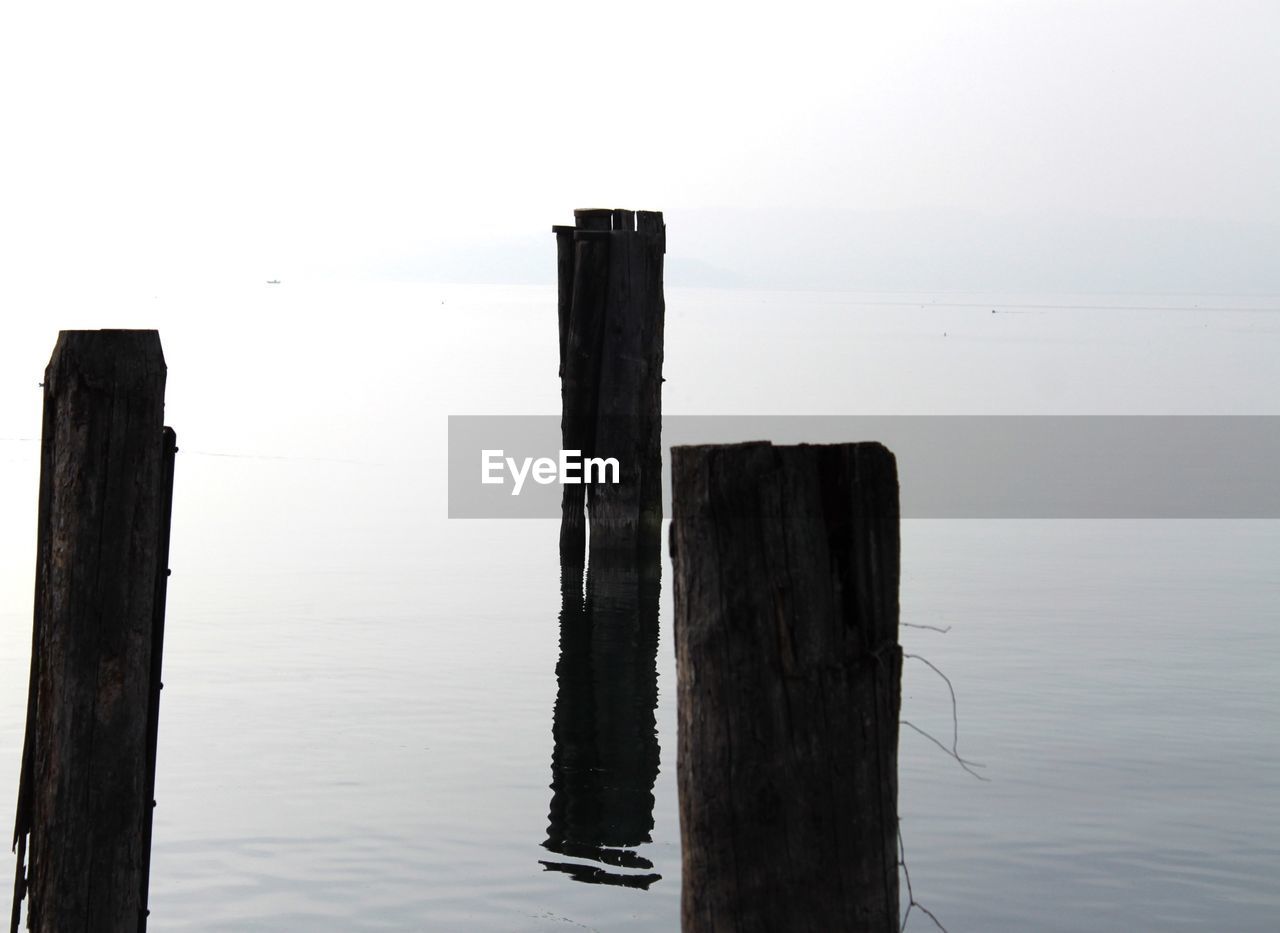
(251,137)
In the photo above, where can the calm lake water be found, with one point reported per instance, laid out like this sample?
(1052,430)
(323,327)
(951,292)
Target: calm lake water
(357,725)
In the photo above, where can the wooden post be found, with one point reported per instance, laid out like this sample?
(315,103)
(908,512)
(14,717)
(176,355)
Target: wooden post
(611,328)
(789,679)
(605,759)
(88,762)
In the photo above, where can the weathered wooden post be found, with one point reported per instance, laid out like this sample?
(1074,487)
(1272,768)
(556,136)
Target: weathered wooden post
(85,795)
(611,310)
(605,760)
(789,672)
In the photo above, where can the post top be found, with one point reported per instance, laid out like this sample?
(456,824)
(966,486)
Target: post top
(116,355)
(615,219)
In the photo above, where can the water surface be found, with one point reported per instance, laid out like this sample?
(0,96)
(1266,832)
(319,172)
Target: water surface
(362,726)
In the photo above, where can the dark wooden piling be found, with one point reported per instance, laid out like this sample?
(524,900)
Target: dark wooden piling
(611,329)
(605,759)
(85,794)
(789,671)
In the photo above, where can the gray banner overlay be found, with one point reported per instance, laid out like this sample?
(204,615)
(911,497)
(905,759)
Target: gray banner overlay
(1085,466)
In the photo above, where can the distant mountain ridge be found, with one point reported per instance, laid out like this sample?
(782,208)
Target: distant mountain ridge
(904,250)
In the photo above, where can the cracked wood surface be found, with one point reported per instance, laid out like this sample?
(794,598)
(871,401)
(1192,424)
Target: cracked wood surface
(786,567)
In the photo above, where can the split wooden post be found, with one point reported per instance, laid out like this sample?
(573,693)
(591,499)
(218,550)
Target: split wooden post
(85,795)
(610,317)
(611,311)
(789,683)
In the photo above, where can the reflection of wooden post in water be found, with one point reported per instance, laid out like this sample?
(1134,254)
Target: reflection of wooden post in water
(789,671)
(605,759)
(88,760)
(611,311)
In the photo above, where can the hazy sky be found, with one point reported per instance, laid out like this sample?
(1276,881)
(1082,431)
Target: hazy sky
(251,138)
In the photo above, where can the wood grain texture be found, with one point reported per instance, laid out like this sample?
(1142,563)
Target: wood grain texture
(84,800)
(564,280)
(786,567)
(593,218)
(580,381)
(168,455)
